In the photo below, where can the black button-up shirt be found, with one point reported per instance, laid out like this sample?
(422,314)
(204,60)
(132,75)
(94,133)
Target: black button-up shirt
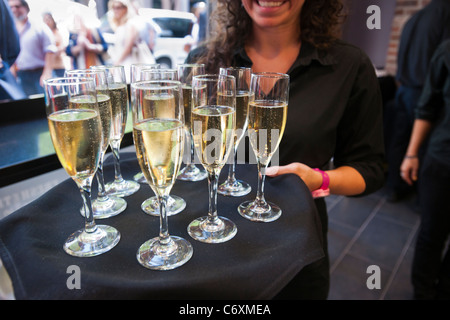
(334,111)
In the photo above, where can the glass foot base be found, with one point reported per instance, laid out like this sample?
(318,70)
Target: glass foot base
(216,231)
(192,173)
(107,208)
(122,188)
(237,188)
(89,244)
(251,211)
(175,205)
(153,255)
(139,177)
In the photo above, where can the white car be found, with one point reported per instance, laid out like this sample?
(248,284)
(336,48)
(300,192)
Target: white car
(174,36)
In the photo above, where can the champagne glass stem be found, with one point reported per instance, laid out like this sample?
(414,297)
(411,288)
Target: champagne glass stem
(213,179)
(90,225)
(101,181)
(232,186)
(164,237)
(192,159)
(260,191)
(232,168)
(115,145)
(190,172)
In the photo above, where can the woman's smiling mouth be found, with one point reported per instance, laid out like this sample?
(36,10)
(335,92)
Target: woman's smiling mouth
(269,4)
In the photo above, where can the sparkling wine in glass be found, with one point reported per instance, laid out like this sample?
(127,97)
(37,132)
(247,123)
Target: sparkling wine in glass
(213,124)
(135,76)
(158,133)
(119,102)
(232,186)
(175,204)
(267,116)
(76,131)
(104,206)
(185,73)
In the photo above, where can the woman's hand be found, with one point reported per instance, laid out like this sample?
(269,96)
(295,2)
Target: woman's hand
(313,179)
(409,170)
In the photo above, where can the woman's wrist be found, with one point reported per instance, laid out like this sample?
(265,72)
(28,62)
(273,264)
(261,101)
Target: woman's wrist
(323,190)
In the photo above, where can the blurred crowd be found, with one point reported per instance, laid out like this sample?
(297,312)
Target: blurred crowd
(37,49)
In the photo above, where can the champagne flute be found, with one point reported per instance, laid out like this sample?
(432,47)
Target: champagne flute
(119,101)
(136,69)
(185,73)
(76,132)
(267,116)
(159,74)
(175,204)
(213,125)
(232,186)
(104,206)
(135,76)
(158,132)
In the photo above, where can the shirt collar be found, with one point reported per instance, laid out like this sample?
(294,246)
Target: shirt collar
(308,54)
(26,26)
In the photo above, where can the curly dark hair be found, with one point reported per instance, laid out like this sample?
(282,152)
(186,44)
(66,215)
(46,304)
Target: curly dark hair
(320,23)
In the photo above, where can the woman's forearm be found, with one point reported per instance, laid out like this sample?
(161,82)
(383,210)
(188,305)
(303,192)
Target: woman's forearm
(420,132)
(346,180)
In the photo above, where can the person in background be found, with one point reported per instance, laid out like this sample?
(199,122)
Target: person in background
(37,48)
(176,5)
(420,37)
(9,50)
(148,29)
(334,121)
(197,35)
(87,47)
(431,263)
(126,49)
(203,24)
(58,61)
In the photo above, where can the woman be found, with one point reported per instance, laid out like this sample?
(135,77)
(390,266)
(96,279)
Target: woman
(335,117)
(431,263)
(58,57)
(128,48)
(86,46)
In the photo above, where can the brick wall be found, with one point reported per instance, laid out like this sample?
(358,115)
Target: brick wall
(404,10)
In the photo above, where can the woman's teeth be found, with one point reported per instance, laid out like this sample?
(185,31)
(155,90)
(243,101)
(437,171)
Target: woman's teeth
(270,3)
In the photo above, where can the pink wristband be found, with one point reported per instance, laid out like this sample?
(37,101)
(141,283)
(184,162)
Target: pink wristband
(323,191)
